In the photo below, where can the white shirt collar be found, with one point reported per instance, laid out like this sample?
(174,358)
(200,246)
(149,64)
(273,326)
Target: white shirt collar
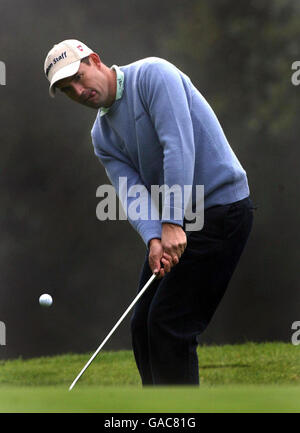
(120,88)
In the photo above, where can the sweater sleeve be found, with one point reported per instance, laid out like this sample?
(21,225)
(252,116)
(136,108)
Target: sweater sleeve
(133,195)
(168,101)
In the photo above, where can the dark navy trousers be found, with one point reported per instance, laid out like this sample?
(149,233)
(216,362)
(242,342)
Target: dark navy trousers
(177,308)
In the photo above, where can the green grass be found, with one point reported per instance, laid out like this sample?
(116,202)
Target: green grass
(251,363)
(128,399)
(248,377)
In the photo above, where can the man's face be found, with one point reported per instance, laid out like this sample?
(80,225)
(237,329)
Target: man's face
(90,86)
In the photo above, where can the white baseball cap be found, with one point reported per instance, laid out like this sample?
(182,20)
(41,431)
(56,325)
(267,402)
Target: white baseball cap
(63,61)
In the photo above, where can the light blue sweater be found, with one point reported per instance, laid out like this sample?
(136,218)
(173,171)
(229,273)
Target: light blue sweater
(163,131)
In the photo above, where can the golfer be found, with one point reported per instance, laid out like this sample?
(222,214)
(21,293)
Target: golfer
(154,128)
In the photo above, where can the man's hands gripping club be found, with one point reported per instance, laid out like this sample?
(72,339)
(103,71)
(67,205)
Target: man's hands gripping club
(167,250)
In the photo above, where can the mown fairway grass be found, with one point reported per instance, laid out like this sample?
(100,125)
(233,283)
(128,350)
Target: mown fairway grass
(247,377)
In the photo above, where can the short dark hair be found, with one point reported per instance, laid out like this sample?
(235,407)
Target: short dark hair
(86,60)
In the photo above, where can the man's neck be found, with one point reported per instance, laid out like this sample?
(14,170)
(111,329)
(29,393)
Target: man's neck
(112,86)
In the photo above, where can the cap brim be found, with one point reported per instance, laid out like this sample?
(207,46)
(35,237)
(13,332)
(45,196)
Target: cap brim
(65,72)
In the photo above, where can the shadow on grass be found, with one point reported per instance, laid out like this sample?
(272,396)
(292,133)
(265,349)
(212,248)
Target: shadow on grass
(224,366)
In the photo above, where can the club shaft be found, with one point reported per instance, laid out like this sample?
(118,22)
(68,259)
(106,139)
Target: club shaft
(113,329)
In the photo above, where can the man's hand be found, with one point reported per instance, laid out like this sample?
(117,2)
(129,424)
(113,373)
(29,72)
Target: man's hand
(168,250)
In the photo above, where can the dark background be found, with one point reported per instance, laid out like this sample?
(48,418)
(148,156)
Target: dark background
(239,55)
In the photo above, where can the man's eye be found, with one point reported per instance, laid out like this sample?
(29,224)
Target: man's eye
(65,89)
(77,77)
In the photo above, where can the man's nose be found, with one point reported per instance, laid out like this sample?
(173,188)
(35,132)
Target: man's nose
(77,89)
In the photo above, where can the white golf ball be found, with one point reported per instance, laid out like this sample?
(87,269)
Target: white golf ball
(45,300)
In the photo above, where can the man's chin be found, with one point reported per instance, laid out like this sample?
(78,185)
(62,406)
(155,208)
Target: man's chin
(92,104)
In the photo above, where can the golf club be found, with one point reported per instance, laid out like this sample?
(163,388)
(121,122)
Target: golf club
(113,329)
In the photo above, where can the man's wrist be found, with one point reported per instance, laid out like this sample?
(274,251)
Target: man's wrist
(153,241)
(171,223)
(171,226)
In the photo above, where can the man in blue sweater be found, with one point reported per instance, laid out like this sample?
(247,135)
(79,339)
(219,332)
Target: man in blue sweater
(154,128)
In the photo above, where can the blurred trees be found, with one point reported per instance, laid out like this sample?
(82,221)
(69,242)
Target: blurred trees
(239,55)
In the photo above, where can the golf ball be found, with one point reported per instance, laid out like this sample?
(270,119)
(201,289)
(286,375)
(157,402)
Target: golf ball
(45,300)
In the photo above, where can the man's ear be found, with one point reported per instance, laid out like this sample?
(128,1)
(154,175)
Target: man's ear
(95,59)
